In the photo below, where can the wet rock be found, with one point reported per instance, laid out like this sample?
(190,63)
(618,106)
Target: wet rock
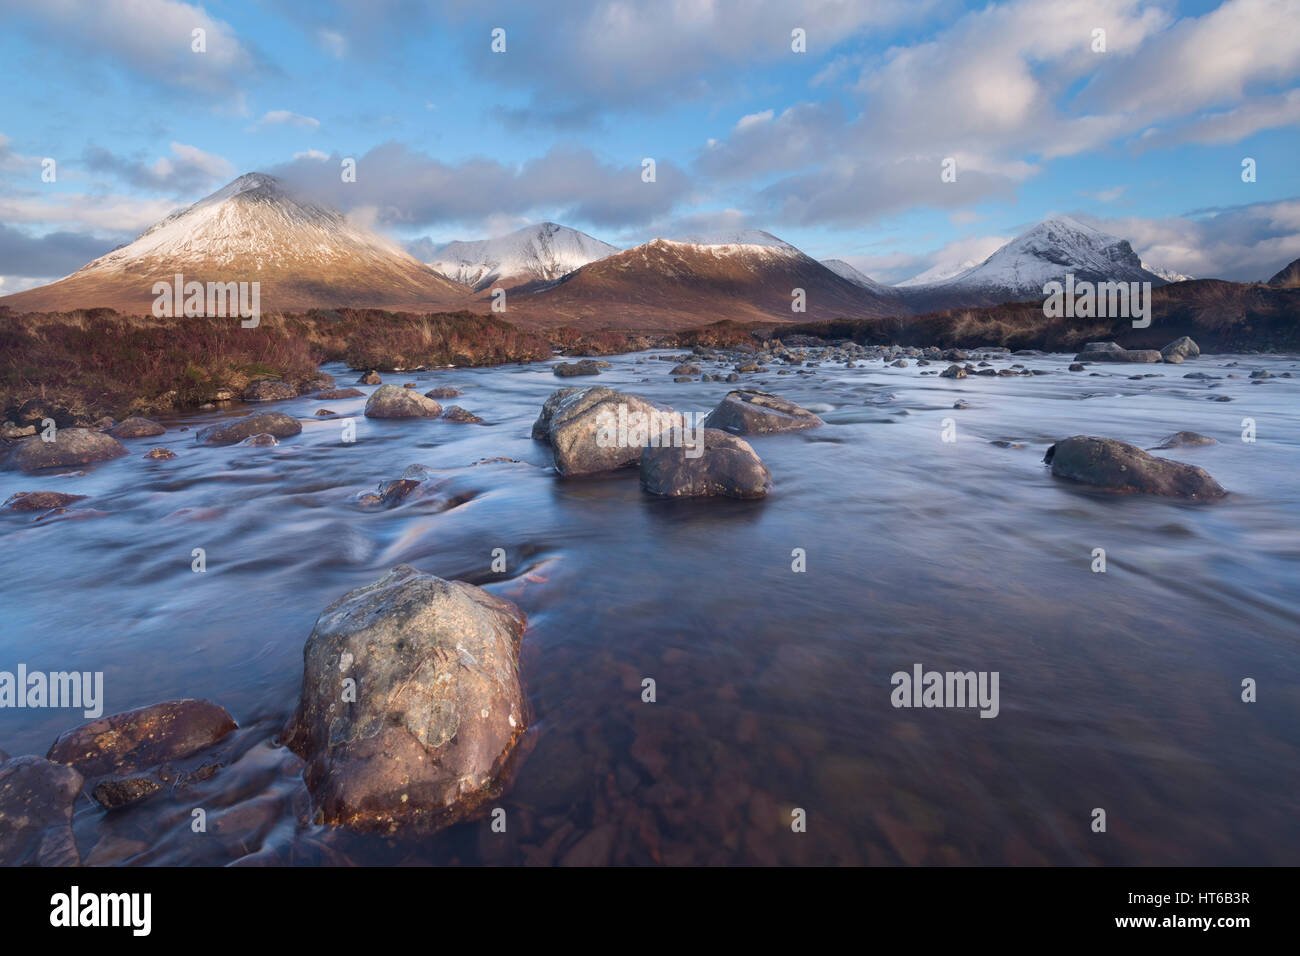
(953,371)
(444,391)
(686,370)
(1076,367)
(10,431)
(542,427)
(40,500)
(324,412)
(1118,466)
(269,390)
(259,441)
(142,738)
(335,394)
(160,454)
(370,378)
(438,708)
(746,412)
(1110,352)
(582,429)
(570,369)
(1185,439)
(319,383)
(136,428)
(36,799)
(392,493)
(727,466)
(117,792)
(454,413)
(961,403)
(391,401)
(898,363)
(276,424)
(71,446)
(1180,349)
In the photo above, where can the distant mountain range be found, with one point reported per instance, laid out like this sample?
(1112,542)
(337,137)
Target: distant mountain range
(306,255)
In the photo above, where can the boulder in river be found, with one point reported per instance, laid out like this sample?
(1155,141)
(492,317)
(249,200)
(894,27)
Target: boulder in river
(1118,466)
(36,799)
(71,446)
(1110,352)
(597,429)
(1180,349)
(40,500)
(542,427)
(454,413)
(411,705)
(136,428)
(141,738)
(444,391)
(749,412)
(392,401)
(570,369)
(370,378)
(160,454)
(275,424)
(726,466)
(269,390)
(953,371)
(335,394)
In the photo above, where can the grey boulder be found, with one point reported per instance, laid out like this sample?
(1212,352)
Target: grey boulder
(749,412)
(1121,467)
(726,466)
(71,446)
(275,424)
(392,401)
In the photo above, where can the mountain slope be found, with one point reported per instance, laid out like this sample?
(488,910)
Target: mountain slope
(303,256)
(541,252)
(1019,270)
(846,271)
(675,284)
(1288,277)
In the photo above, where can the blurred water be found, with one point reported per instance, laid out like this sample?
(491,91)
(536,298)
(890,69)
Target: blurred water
(1118,690)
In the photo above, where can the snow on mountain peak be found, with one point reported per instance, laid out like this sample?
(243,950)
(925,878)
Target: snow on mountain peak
(543,251)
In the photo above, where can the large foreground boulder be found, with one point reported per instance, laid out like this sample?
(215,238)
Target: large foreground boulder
(597,429)
(1180,349)
(1118,466)
(393,401)
(276,424)
(748,412)
(71,446)
(36,798)
(726,465)
(1110,352)
(411,704)
(144,737)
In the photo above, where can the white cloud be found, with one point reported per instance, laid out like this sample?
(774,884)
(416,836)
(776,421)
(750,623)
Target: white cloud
(286,118)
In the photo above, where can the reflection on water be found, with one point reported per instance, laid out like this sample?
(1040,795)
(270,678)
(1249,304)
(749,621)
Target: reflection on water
(1118,690)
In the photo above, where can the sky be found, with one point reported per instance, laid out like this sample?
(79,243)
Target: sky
(840,147)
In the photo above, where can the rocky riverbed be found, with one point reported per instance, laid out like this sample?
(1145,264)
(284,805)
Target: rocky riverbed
(853,510)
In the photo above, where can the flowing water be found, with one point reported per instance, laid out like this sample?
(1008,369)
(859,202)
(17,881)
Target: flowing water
(1118,690)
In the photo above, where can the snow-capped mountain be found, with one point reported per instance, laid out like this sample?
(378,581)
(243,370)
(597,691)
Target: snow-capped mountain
(1169,275)
(846,271)
(541,252)
(302,254)
(1019,270)
(681,283)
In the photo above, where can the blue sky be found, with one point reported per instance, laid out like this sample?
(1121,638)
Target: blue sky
(837,149)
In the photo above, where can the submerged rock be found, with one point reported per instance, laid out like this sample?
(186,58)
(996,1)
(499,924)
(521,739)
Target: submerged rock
(136,428)
(334,394)
(275,424)
(117,792)
(391,401)
(444,391)
(1118,466)
(269,390)
(727,466)
(748,412)
(435,708)
(40,500)
(1181,439)
(160,454)
(259,441)
(36,799)
(71,446)
(142,738)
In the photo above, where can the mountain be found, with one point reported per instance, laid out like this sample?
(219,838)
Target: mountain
(541,252)
(846,271)
(676,284)
(1289,277)
(1019,270)
(1169,275)
(303,255)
